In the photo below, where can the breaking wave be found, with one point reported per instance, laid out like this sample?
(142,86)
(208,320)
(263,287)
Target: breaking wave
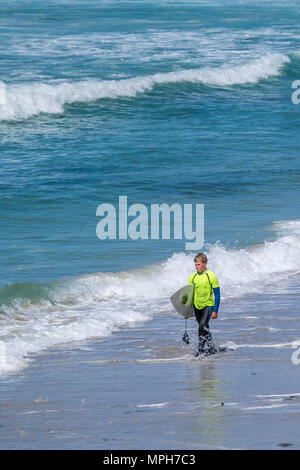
(24,101)
(36,316)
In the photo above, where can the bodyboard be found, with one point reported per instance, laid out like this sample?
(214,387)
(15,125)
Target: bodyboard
(182,301)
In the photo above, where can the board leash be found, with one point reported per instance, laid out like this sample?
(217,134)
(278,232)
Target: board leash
(185,337)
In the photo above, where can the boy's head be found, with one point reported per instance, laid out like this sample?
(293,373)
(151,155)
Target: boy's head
(200,261)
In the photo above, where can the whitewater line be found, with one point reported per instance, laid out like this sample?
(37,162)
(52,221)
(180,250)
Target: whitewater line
(24,101)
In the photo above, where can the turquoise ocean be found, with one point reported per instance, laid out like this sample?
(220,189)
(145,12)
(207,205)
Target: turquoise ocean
(186,102)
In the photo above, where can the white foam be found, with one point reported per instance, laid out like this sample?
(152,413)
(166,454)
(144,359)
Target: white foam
(152,45)
(279,395)
(232,345)
(24,101)
(266,407)
(287,227)
(270,264)
(96,305)
(154,405)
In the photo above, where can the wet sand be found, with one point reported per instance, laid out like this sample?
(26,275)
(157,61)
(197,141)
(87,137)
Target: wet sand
(143,389)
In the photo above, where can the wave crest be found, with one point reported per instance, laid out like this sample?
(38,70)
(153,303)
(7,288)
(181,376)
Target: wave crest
(24,101)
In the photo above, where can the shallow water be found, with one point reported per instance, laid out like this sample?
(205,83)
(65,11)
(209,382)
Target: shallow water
(143,388)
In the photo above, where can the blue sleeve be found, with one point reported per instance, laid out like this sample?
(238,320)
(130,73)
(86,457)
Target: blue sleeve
(217,298)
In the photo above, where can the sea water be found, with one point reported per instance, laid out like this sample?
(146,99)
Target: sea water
(182,102)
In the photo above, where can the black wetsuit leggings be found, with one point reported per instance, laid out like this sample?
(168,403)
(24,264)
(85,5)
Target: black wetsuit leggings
(205,338)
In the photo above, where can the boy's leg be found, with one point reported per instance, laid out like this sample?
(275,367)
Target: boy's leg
(211,347)
(205,337)
(202,317)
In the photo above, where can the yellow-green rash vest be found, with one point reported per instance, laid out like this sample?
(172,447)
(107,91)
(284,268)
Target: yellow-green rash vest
(204,284)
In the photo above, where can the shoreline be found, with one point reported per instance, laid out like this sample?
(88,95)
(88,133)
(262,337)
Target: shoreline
(141,389)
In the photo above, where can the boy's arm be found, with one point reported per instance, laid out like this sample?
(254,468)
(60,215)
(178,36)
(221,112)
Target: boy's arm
(217,301)
(216,289)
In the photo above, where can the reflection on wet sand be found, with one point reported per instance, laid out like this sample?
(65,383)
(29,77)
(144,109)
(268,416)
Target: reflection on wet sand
(207,422)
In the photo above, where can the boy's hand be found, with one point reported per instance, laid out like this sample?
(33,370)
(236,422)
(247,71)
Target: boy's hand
(214,315)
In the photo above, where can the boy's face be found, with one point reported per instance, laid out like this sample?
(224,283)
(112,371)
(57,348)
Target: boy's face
(199,265)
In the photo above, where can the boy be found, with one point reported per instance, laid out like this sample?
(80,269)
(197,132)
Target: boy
(205,307)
